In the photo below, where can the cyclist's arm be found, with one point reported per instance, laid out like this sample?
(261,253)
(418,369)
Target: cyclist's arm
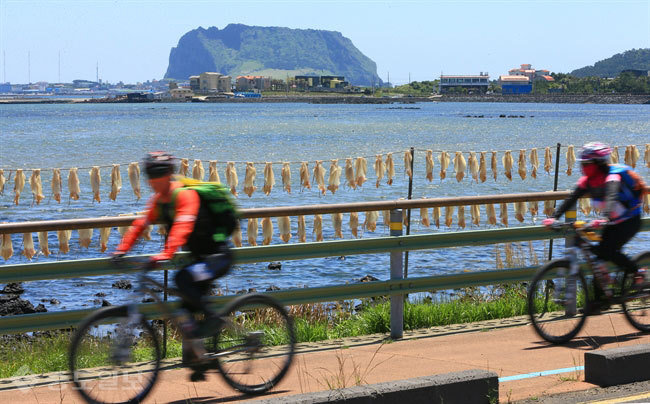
(137,227)
(187,208)
(579,191)
(612,189)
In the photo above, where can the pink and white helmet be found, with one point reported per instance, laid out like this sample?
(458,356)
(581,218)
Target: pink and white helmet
(595,151)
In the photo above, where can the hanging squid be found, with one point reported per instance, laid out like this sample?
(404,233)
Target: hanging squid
(449,215)
(507,162)
(482,170)
(503,213)
(475,213)
(491,214)
(354,223)
(134,178)
(64,240)
(386,217)
(634,156)
(570,159)
(548,160)
(335,176)
(444,164)
(318,227)
(286,177)
(237,236)
(42,243)
(646,203)
(304,175)
(436,216)
(95,181)
(585,206)
(613,157)
(429,164)
(267,230)
(7,247)
(646,155)
(249,179)
(116,182)
(349,173)
(534,162)
(337,222)
(284,226)
(459,166)
(213,172)
(520,211)
(380,169)
(319,176)
(360,170)
(56,184)
(533,208)
(19,184)
(461,217)
(104,234)
(424,217)
(302,229)
(549,207)
(198,172)
(184,167)
(28,246)
(493,165)
(521,164)
(231,177)
(36,185)
(251,231)
(269,178)
(3,180)
(472,162)
(85,236)
(408,162)
(390,168)
(370,223)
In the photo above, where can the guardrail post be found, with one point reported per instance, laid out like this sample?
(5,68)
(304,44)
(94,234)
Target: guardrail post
(569,242)
(396,272)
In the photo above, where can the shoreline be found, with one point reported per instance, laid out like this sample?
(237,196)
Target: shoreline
(626,99)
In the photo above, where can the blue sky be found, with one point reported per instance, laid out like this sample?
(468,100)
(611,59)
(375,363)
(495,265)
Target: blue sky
(131,39)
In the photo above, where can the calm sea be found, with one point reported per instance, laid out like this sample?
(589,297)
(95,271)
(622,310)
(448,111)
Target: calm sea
(64,136)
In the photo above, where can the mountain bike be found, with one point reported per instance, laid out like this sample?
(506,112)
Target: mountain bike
(560,296)
(115,353)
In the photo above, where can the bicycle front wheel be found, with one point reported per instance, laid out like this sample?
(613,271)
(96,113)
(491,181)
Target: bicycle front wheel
(114,358)
(636,302)
(255,344)
(555,315)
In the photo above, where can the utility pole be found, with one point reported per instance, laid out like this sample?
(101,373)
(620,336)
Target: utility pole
(97,72)
(29,68)
(4,67)
(59,66)
(388,80)
(409,78)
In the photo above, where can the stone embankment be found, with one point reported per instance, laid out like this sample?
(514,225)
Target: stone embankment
(550,98)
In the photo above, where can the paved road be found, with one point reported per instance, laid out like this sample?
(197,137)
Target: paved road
(509,348)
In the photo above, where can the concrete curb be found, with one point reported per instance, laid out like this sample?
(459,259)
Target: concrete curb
(610,367)
(469,386)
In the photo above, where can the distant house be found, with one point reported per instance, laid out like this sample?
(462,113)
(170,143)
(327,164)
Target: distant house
(471,83)
(520,80)
(210,82)
(182,93)
(249,83)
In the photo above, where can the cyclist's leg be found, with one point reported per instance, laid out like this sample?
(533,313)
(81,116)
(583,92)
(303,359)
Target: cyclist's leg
(614,238)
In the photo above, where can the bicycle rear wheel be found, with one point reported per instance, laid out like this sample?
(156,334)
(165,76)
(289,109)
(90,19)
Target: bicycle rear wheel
(114,359)
(636,303)
(549,308)
(255,345)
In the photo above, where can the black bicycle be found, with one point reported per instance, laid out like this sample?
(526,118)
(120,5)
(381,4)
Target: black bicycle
(559,296)
(115,353)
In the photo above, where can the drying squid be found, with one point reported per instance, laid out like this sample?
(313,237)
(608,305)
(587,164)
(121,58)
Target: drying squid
(231,177)
(198,172)
(646,203)
(213,172)
(386,216)
(349,173)
(95,180)
(2,181)
(482,170)
(269,178)
(534,162)
(613,157)
(251,231)
(533,207)
(493,165)
(146,232)
(134,178)
(161,229)
(42,243)
(646,155)
(436,216)
(319,176)
(286,177)
(507,162)
(360,170)
(380,169)
(424,217)
(584,205)
(304,175)
(85,236)
(429,164)
(284,225)
(570,159)
(56,184)
(503,213)
(549,207)
(28,246)
(236,236)
(370,223)
(184,167)
(354,223)
(335,176)
(461,217)
(444,164)
(548,160)
(634,156)
(449,215)
(116,182)
(521,164)
(7,247)
(520,211)
(473,166)
(19,184)
(475,213)
(302,229)
(390,168)
(337,222)
(249,179)
(459,166)
(36,185)
(267,230)
(491,214)
(408,162)
(104,234)
(64,240)
(318,227)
